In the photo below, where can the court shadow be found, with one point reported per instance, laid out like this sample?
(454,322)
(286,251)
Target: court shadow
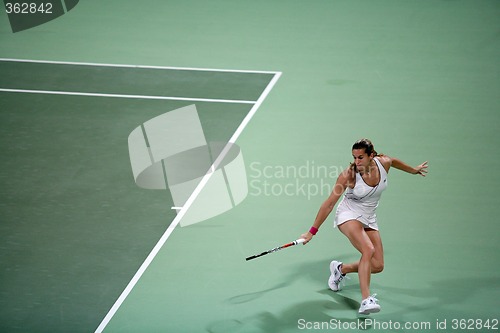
(340,308)
(297,317)
(313,311)
(339,298)
(244,298)
(315,270)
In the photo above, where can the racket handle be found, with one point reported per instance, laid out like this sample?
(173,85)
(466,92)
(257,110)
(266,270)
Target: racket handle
(300,241)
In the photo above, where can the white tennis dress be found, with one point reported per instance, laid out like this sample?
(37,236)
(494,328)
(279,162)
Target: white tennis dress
(360,203)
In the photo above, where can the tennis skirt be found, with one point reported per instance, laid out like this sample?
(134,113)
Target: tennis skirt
(345,214)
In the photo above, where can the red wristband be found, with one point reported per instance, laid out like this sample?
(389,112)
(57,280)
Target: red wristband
(313,230)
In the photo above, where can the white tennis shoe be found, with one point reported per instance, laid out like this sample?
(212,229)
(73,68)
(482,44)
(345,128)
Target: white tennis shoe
(336,276)
(369,305)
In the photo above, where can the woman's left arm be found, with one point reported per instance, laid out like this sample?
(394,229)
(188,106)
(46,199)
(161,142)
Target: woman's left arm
(421,169)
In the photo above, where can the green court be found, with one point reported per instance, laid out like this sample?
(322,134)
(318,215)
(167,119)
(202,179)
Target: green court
(293,85)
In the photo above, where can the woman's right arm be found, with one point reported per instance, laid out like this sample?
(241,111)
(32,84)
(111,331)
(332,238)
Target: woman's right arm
(327,206)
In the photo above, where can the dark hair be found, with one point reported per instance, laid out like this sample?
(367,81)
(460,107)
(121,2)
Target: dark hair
(365,144)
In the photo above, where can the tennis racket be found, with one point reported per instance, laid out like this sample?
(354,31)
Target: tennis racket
(295,242)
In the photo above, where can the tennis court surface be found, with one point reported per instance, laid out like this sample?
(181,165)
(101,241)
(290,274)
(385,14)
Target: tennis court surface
(83,248)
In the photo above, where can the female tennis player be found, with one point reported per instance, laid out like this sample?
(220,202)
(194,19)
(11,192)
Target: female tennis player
(363,183)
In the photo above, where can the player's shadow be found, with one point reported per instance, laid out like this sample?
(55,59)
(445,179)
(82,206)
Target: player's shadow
(340,306)
(430,297)
(248,297)
(342,300)
(293,318)
(316,270)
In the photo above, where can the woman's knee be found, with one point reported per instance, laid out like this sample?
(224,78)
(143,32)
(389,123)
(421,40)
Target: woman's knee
(377,266)
(368,251)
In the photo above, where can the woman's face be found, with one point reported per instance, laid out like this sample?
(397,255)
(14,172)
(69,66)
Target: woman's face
(361,159)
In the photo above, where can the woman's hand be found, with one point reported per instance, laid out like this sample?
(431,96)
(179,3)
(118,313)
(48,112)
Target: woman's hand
(421,169)
(307,236)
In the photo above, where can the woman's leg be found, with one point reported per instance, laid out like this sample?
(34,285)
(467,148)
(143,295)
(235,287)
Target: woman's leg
(359,238)
(377,262)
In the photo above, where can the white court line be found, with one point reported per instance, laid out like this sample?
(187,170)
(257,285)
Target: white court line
(186,206)
(76,93)
(135,66)
(70,93)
